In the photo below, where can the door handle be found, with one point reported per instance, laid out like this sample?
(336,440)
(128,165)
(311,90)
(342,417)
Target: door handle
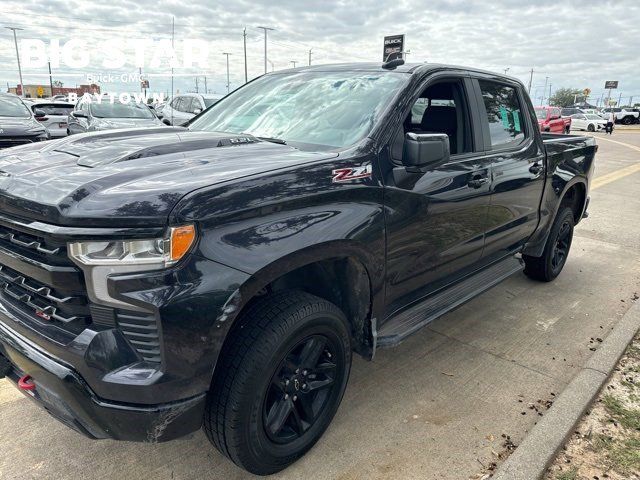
(477,181)
(536,168)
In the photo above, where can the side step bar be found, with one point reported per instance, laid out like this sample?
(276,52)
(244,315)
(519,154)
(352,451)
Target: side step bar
(414,318)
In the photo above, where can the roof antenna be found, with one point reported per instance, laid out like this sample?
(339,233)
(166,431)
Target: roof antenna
(393,64)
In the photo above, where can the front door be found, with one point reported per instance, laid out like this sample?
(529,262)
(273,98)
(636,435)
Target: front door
(436,220)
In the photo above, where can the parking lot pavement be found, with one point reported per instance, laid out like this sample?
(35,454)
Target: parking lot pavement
(435,406)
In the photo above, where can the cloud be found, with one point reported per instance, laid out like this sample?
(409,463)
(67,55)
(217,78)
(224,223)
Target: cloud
(569,43)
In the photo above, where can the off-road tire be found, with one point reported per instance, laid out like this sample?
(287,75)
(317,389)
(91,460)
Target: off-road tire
(546,268)
(256,351)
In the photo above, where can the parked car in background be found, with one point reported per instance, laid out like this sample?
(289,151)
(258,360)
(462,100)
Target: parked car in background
(55,115)
(588,121)
(18,123)
(625,117)
(568,111)
(59,98)
(184,107)
(90,116)
(591,111)
(550,120)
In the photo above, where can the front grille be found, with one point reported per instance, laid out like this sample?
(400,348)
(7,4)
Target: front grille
(141,329)
(39,280)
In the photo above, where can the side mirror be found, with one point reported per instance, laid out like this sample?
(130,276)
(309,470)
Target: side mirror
(425,150)
(80,114)
(39,113)
(196,111)
(166,122)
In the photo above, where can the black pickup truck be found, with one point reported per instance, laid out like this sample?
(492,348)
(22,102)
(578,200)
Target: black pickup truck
(220,275)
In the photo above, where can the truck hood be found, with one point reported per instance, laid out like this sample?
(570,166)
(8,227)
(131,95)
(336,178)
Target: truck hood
(129,178)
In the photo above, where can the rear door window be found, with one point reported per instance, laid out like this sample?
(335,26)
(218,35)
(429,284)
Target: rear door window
(504,114)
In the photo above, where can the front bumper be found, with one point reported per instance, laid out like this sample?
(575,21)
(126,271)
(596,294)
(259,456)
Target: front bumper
(61,391)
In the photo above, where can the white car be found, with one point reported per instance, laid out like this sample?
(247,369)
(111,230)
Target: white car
(183,107)
(56,113)
(588,121)
(626,117)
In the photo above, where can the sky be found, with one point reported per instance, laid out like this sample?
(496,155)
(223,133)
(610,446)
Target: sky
(567,43)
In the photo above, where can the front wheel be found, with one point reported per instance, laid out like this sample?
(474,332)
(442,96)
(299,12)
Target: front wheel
(627,120)
(591,128)
(567,129)
(547,267)
(280,381)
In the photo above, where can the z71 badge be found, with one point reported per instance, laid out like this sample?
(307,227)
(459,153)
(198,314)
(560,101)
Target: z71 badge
(347,174)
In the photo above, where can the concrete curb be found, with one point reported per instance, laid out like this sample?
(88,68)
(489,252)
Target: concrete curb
(536,452)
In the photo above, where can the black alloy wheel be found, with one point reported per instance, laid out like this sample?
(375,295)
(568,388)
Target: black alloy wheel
(561,246)
(281,378)
(556,250)
(300,390)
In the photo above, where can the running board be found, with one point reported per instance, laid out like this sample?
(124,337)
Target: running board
(414,318)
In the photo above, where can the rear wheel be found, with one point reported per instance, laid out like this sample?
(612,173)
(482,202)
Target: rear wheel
(547,267)
(627,120)
(280,381)
(591,128)
(567,129)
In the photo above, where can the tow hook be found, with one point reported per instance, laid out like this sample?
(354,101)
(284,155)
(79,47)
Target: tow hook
(26,383)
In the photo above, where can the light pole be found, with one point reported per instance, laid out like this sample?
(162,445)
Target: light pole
(506,70)
(294,63)
(266,29)
(227,55)
(15,40)
(546,81)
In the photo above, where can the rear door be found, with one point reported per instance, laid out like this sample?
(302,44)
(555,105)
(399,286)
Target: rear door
(517,165)
(436,220)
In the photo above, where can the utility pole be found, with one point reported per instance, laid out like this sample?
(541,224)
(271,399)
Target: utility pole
(619,100)
(15,40)
(310,56)
(506,70)
(244,38)
(50,79)
(546,81)
(530,81)
(227,55)
(294,63)
(549,97)
(197,86)
(206,90)
(173,32)
(266,29)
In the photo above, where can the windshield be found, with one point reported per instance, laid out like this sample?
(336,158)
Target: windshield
(541,113)
(13,107)
(210,101)
(329,109)
(594,117)
(120,110)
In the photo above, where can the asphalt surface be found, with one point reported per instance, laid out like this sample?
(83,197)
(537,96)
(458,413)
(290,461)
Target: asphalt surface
(434,407)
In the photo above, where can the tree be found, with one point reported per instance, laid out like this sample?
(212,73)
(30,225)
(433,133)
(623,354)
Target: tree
(565,97)
(57,83)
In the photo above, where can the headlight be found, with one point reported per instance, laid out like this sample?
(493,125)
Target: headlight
(100,259)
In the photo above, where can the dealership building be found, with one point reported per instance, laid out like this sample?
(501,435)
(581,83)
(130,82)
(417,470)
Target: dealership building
(44,91)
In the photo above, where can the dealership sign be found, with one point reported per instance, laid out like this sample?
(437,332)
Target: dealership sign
(393,47)
(611,84)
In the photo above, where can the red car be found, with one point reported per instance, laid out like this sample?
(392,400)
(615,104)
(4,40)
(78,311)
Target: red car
(549,120)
